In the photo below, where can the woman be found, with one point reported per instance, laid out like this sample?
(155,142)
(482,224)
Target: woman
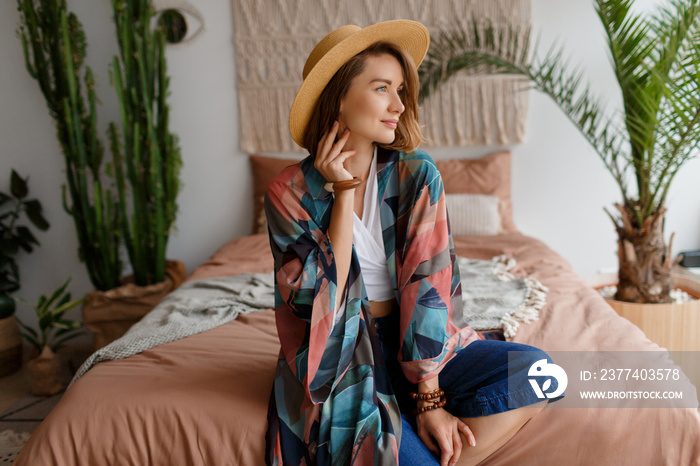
(367,285)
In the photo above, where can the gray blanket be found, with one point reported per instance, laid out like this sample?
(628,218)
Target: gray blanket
(492,299)
(194,307)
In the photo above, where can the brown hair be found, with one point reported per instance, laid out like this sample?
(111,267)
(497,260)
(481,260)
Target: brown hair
(408,134)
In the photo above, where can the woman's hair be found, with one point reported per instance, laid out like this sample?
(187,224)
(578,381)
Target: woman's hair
(408,134)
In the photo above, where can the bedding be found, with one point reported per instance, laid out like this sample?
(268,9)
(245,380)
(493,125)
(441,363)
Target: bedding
(203,399)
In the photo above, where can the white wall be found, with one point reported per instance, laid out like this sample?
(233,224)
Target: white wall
(559,185)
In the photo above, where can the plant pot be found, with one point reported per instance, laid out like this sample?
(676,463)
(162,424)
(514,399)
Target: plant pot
(109,314)
(45,373)
(675,327)
(10,346)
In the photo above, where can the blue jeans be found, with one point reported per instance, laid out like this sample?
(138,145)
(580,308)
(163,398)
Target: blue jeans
(475,382)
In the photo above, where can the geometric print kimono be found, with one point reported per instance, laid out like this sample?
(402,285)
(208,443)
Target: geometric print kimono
(332,401)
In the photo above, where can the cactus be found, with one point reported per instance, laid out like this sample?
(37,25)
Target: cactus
(54,49)
(150,162)
(146,163)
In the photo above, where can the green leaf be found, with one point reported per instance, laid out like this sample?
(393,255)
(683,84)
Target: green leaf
(63,300)
(29,329)
(62,331)
(61,341)
(33,209)
(9,246)
(4,198)
(26,238)
(18,185)
(65,324)
(31,341)
(59,311)
(45,321)
(40,303)
(56,294)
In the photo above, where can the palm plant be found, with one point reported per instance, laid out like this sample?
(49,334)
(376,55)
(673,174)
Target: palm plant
(656,60)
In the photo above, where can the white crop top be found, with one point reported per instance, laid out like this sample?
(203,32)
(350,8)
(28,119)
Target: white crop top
(368,241)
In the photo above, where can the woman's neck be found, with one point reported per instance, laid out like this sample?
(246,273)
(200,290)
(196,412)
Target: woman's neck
(358,165)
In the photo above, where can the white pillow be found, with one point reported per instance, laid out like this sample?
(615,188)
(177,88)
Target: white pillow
(473,214)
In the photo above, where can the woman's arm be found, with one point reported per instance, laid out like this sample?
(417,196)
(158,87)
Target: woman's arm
(329,161)
(340,234)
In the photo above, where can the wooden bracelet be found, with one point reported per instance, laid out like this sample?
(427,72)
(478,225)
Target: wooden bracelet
(437,393)
(332,187)
(436,399)
(437,404)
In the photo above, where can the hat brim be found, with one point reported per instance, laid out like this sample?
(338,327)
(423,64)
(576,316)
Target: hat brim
(412,36)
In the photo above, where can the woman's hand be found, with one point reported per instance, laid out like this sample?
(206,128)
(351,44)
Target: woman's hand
(329,158)
(440,430)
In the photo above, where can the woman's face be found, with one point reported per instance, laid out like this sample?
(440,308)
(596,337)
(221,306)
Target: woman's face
(372,106)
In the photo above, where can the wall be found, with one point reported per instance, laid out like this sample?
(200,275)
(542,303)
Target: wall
(560,187)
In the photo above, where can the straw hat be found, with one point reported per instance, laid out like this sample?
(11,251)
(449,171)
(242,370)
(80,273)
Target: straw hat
(336,49)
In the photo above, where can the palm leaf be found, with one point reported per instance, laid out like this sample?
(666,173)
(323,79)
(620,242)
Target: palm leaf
(656,61)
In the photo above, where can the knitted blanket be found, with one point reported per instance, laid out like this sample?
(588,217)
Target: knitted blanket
(194,307)
(492,299)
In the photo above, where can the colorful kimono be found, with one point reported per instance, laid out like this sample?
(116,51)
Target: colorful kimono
(332,401)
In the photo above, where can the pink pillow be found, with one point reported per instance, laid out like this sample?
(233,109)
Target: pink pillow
(487,175)
(264,169)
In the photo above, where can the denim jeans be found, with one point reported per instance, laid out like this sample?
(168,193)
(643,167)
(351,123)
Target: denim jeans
(475,381)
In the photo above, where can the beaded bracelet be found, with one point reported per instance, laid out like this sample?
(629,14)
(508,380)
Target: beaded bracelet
(332,187)
(435,405)
(436,397)
(437,393)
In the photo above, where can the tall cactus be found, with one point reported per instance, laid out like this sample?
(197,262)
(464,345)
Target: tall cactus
(150,162)
(146,164)
(54,49)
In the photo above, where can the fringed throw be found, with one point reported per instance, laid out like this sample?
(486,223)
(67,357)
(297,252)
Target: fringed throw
(493,298)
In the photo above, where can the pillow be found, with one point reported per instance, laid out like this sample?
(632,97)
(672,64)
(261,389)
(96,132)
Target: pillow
(473,214)
(263,170)
(487,175)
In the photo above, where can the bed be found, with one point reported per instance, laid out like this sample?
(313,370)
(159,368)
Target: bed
(203,399)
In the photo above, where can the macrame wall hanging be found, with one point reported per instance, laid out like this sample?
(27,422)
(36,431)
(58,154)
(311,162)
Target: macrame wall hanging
(274,37)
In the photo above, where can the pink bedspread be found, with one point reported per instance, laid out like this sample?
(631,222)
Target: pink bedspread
(202,400)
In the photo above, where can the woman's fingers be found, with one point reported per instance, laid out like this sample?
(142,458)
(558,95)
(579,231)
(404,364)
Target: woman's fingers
(329,147)
(338,146)
(467,433)
(326,142)
(344,155)
(457,443)
(330,160)
(428,440)
(445,441)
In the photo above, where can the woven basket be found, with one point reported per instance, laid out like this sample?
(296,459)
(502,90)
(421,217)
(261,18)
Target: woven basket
(110,314)
(45,372)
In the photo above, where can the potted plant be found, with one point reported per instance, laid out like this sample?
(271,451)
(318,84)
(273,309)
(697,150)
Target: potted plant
(14,237)
(140,212)
(54,332)
(656,60)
